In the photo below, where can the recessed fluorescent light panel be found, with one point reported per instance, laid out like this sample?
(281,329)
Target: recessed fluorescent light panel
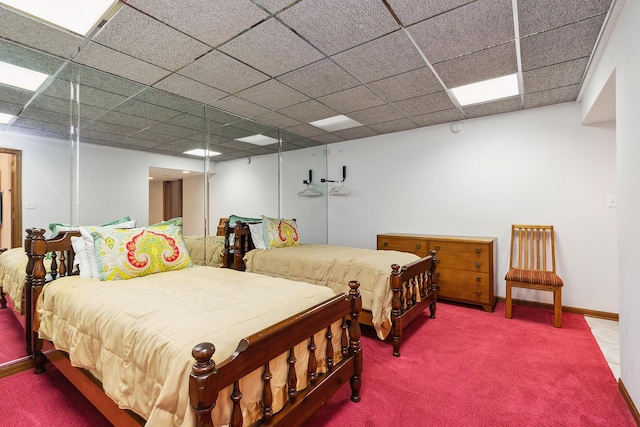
(258,139)
(336,123)
(200,152)
(23,78)
(6,119)
(487,90)
(79,16)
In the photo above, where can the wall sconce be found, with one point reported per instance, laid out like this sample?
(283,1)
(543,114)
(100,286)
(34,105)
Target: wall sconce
(338,189)
(309,191)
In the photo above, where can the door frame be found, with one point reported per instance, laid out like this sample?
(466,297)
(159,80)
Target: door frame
(16,196)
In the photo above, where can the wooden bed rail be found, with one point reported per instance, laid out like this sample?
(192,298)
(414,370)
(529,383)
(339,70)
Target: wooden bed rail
(412,285)
(257,350)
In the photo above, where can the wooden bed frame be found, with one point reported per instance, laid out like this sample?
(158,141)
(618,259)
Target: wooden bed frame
(405,305)
(253,352)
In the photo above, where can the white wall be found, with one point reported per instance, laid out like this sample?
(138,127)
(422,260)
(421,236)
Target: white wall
(243,188)
(46,173)
(533,166)
(622,55)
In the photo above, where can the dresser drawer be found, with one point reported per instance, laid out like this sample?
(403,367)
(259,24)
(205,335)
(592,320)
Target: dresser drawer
(450,261)
(464,286)
(404,244)
(464,249)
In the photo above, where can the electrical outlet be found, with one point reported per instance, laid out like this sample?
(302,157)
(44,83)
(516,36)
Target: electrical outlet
(612,202)
(30,205)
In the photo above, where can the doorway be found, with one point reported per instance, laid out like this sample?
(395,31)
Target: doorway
(10,198)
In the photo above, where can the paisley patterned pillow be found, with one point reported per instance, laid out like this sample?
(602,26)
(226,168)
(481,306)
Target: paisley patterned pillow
(279,233)
(124,254)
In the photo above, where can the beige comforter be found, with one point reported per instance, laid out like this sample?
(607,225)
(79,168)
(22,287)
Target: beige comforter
(335,266)
(13,272)
(138,334)
(205,250)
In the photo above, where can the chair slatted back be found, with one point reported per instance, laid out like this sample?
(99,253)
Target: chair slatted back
(533,247)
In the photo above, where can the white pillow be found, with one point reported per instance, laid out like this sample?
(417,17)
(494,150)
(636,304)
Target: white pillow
(256,235)
(82,258)
(89,248)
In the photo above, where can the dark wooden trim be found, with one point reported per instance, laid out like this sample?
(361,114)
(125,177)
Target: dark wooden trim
(576,310)
(14,366)
(629,401)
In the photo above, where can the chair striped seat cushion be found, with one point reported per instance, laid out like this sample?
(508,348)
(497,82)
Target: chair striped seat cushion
(534,276)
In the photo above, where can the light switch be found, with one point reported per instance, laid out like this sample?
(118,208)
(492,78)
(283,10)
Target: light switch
(30,205)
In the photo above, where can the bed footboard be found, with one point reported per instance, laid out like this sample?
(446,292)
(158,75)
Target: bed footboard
(256,351)
(413,287)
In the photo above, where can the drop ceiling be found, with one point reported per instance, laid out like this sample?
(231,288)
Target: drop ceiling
(163,76)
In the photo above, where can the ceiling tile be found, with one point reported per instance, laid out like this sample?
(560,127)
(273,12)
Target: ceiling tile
(112,61)
(356,133)
(308,111)
(306,130)
(271,48)
(318,79)
(138,35)
(337,26)
(357,98)
(438,117)
(327,138)
(411,11)
(475,26)
(552,96)
(273,95)
(276,120)
(145,109)
(47,116)
(197,17)
(407,85)
(175,83)
(496,107)
(239,106)
(27,58)
(559,45)
(554,76)
(486,64)
(425,104)
(383,113)
(384,57)
(275,5)
(134,122)
(536,16)
(394,126)
(32,33)
(223,72)
(14,96)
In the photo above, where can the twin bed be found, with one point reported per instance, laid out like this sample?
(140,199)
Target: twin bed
(396,287)
(157,359)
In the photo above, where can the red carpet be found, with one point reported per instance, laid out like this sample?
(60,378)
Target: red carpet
(464,368)
(471,368)
(12,336)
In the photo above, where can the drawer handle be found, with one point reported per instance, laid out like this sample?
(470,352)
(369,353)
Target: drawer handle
(385,243)
(478,293)
(478,250)
(418,245)
(478,279)
(478,264)
(437,247)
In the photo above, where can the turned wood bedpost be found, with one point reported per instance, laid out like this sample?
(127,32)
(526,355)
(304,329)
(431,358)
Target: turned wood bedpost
(396,308)
(38,251)
(226,253)
(203,384)
(355,347)
(432,285)
(238,244)
(26,297)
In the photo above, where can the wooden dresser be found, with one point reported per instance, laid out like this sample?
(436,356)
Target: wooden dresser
(466,265)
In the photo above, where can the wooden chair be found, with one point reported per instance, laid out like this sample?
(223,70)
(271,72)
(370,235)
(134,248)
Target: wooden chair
(533,265)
